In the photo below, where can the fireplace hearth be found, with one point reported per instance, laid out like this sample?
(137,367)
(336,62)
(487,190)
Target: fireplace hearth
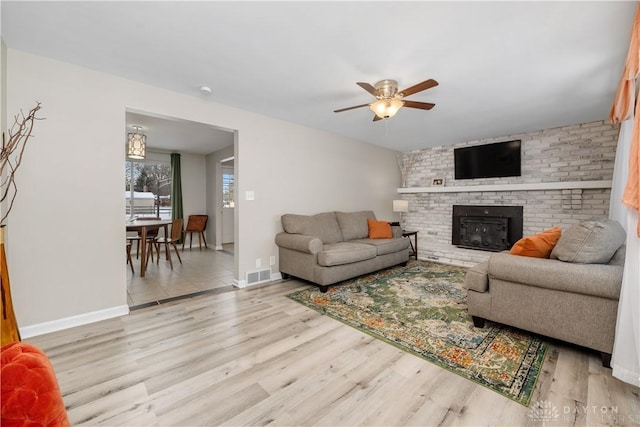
(488,228)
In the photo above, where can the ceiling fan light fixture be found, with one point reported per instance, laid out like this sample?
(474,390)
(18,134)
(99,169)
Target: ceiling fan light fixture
(389,100)
(386,108)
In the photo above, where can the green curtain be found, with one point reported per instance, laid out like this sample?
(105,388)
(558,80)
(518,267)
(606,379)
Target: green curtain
(176,188)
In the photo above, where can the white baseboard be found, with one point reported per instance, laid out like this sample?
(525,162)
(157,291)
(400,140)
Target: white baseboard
(70,322)
(218,248)
(239,283)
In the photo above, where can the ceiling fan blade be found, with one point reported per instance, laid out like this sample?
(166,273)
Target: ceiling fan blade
(368,88)
(350,108)
(376,118)
(420,105)
(427,84)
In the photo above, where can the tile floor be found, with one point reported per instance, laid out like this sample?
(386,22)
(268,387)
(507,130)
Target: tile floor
(201,270)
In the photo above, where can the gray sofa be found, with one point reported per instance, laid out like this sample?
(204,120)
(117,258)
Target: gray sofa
(334,246)
(568,297)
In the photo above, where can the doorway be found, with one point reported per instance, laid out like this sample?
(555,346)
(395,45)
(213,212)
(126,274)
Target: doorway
(201,146)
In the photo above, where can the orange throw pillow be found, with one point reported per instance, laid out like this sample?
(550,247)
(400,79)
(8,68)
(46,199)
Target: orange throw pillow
(379,229)
(538,245)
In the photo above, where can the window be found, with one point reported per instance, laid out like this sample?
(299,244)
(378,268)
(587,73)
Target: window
(148,188)
(228,193)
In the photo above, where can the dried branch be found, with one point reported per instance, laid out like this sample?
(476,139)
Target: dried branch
(12,153)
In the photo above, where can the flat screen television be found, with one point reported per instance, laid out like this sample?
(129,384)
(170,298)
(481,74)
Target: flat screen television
(488,161)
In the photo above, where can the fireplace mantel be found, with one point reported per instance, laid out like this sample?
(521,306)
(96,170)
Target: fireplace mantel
(534,186)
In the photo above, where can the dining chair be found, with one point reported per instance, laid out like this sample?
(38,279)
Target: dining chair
(151,234)
(129,261)
(176,235)
(196,224)
(136,239)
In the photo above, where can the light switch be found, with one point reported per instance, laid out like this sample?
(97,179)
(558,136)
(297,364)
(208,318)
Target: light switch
(249,195)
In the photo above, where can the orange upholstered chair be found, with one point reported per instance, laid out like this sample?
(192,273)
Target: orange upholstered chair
(30,392)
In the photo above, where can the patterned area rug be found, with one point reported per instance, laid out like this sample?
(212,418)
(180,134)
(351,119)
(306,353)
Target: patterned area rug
(422,309)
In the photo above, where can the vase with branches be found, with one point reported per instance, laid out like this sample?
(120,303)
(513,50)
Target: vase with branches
(13,147)
(14,143)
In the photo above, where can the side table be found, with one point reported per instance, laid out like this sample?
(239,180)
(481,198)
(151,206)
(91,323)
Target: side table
(414,243)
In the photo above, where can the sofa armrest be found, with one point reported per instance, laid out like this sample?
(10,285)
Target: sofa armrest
(396,231)
(476,278)
(299,242)
(599,280)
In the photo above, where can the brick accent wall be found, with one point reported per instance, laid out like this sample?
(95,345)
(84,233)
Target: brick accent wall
(584,152)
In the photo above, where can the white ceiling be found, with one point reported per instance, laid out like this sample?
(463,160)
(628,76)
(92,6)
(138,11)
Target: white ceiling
(169,134)
(503,67)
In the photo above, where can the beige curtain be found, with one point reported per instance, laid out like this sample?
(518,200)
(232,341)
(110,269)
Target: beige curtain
(622,109)
(626,348)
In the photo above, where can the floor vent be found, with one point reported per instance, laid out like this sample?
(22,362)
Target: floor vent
(258,276)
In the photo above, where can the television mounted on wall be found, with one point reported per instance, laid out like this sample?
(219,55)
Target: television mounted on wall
(496,160)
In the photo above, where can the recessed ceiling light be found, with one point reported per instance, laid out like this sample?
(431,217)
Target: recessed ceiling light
(205,90)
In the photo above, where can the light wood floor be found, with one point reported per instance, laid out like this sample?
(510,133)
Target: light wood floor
(253,357)
(201,270)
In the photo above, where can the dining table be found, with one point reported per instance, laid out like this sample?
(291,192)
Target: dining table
(142,227)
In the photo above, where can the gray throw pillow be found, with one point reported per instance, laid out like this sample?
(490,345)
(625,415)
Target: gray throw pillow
(593,241)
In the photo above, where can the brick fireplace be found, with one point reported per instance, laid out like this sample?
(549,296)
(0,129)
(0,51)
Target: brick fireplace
(555,162)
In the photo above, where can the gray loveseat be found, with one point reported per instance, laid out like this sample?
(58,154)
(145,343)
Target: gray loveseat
(572,297)
(334,246)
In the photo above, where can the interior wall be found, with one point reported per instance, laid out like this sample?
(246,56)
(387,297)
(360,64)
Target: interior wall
(66,244)
(194,176)
(73,173)
(292,169)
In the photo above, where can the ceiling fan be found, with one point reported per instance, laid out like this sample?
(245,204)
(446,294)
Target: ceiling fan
(389,100)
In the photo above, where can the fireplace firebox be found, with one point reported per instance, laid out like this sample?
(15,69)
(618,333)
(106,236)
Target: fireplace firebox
(489,228)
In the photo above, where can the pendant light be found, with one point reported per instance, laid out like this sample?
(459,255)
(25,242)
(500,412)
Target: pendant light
(137,144)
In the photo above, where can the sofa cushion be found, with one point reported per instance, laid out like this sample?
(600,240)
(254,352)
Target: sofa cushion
(386,246)
(590,242)
(379,229)
(353,225)
(599,280)
(323,225)
(345,253)
(537,246)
